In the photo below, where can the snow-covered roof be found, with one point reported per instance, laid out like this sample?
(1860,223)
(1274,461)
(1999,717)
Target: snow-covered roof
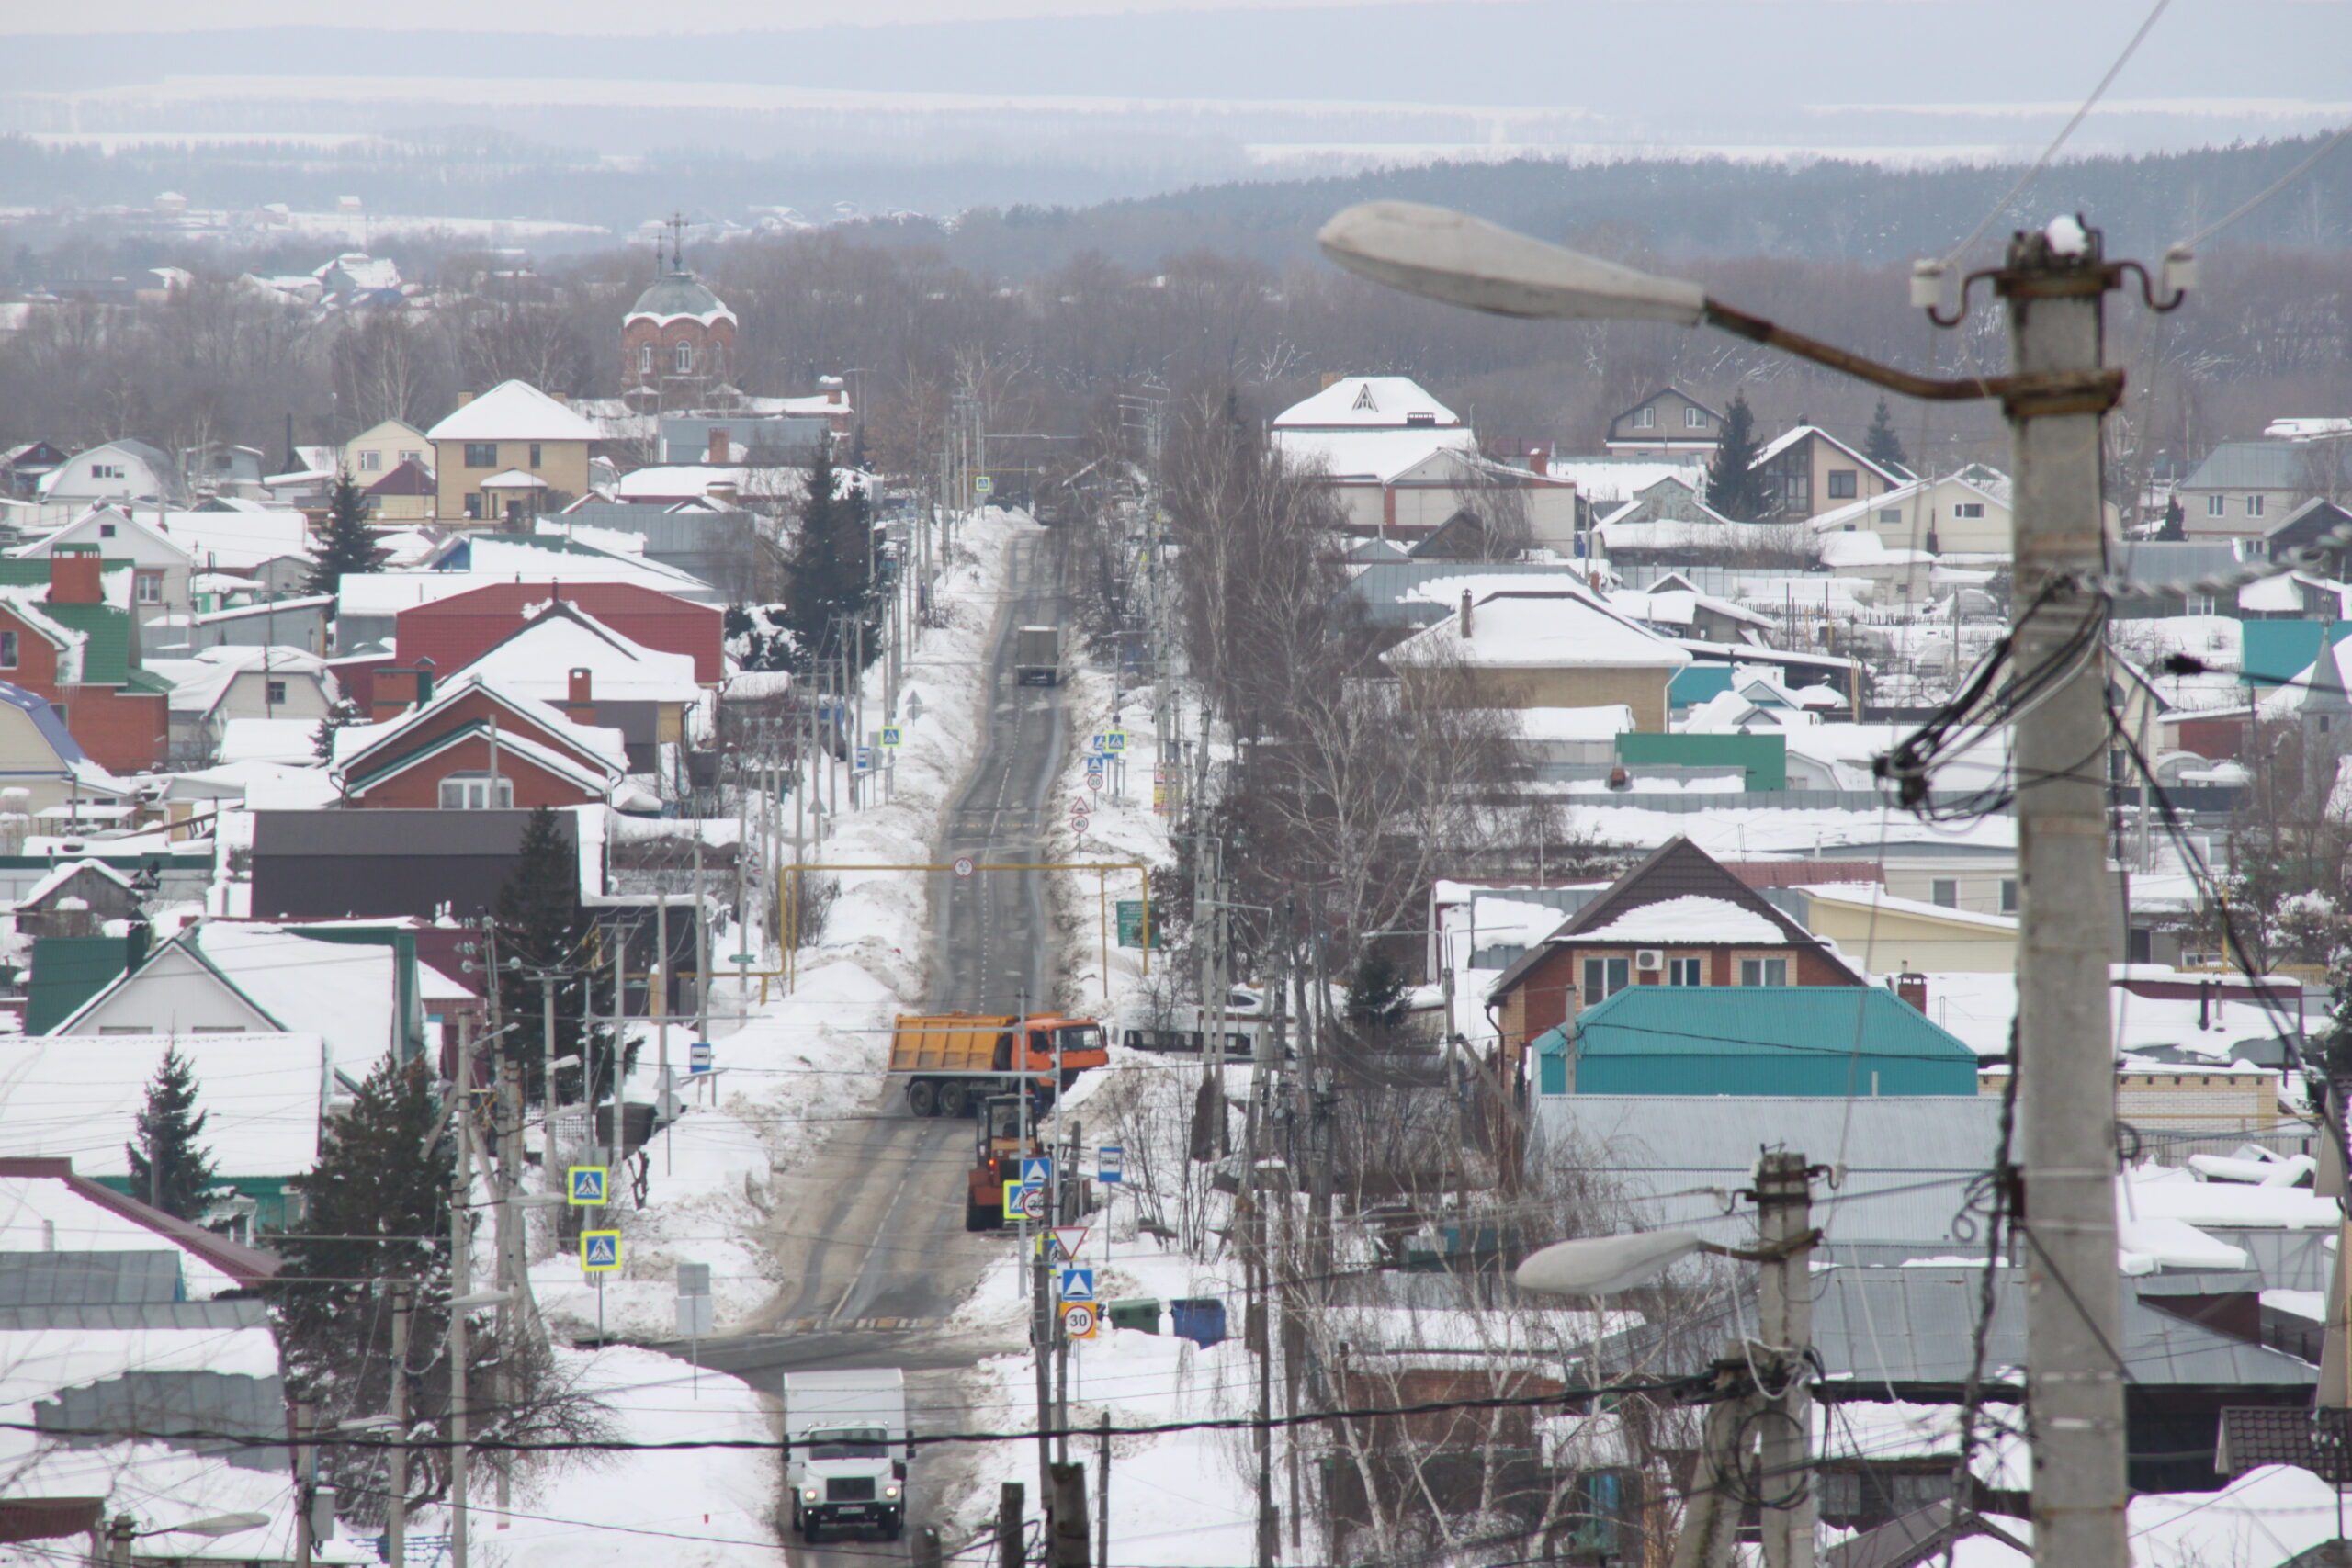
(46,1207)
(202,680)
(678,296)
(292,740)
(346,993)
(512,411)
(536,662)
(1620,479)
(1787,438)
(353,742)
(63,873)
(1525,629)
(669,481)
(1858,513)
(77,1096)
(1681,607)
(1687,920)
(1873,896)
(1380,454)
(1366,402)
(1602,723)
(514,478)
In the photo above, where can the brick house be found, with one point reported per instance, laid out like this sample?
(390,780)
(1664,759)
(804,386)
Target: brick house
(454,631)
(61,640)
(473,747)
(1677,919)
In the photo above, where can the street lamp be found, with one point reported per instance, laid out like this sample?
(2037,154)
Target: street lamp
(1602,1266)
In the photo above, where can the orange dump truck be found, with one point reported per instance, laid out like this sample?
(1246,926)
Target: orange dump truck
(951,1062)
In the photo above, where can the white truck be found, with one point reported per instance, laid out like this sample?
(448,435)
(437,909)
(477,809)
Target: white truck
(846,1450)
(1037,656)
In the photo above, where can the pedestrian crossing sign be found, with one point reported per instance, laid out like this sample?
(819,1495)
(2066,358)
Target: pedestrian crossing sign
(588,1183)
(600,1251)
(1013,1191)
(891,734)
(1115,741)
(1077,1285)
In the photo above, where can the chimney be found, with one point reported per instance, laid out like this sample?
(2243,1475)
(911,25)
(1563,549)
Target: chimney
(1332,379)
(423,682)
(832,394)
(74,578)
(464,397)
(1912,988)
(1464,626)
(579,702)
(393,692)
(721,491)
(718,447)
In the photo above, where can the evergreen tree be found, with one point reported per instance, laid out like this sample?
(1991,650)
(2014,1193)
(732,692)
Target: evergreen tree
(168,1168)
(755,638)
(828,583)
(1376,992)
(1733,486)
(1881,445)
(541,929)
(348,547)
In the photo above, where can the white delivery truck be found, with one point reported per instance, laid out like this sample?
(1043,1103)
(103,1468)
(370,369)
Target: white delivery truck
(845,1460)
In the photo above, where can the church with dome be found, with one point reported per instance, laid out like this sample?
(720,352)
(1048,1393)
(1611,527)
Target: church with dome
(677,346)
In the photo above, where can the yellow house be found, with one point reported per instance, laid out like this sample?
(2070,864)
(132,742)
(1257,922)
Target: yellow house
(373,452)
(1881,934)
(1541,648)
(531,444)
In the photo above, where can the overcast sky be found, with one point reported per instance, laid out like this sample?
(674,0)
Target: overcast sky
(588,17)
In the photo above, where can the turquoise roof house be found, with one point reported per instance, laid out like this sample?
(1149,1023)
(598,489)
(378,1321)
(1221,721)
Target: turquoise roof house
(1753,1040)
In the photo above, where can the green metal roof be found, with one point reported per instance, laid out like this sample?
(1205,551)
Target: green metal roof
(1675,1020)
(106,656)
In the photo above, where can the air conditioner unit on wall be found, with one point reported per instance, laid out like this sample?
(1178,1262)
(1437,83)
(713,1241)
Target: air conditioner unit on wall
(1649,958)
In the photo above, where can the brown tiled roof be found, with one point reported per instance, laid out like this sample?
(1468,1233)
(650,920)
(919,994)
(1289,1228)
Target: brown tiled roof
(2254,1435)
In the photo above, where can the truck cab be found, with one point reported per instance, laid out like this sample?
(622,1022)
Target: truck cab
(996,1160)
(846,1464)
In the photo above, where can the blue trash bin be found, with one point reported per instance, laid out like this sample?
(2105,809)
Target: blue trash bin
(1200,1319)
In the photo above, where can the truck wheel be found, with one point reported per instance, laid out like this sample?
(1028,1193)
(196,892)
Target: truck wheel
(893,1530)
(923,1098)
(976,1217)
(952,1101)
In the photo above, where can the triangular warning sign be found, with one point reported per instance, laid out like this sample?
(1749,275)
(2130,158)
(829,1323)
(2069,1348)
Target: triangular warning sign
(1063,1241)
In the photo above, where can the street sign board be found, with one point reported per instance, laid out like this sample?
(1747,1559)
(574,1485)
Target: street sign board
(1110,1164)
(1078,1284)
(1115,741)
(891,735)
(700,1055)
(1035,1171)
(1094,778)
(695,1317)
(600,1251)
(1080,1320)
(693,1278)
(1061,1243)
(1034,1201)
(744,958)
(982,484)
(588,1183)
(963,865)
(1130,914)
(1014,1195)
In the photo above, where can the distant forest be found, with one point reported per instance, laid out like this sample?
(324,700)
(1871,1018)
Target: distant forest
(1047,318)
(1825,209)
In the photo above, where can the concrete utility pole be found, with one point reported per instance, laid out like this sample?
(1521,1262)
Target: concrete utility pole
(1784,1314)
(303,1419)
(396,1504)
(2066,1062)
(461,1285)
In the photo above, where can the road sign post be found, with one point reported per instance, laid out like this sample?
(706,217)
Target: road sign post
(588,1185)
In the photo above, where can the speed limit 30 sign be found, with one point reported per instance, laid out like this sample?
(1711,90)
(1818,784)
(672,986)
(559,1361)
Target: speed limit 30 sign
(1079,1321)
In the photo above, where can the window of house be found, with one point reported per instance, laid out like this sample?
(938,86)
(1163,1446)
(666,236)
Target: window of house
(149,587)
(274,692)
(473,506)
(1842,482)
(1763,971)
(645,360)
(471,792)
(2217,507)
(371,462)
(686,357)
(482,454)
(2254,506)
(1644,418)
(1694,419)
(2198,605)
(1967,509)
(7,650)
(105,470)
(1890,515)
(1604,977)
(2008,895)
(534,455)
(105,530)
(1945,890)
(1686,971)
(62,717)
